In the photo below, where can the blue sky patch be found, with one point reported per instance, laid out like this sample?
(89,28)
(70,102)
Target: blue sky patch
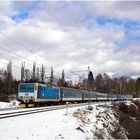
(104,21)
(130,28)
(21,16)
(128,24)
(130,36)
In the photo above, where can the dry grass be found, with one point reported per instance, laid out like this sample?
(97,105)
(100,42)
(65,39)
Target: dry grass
(82,115)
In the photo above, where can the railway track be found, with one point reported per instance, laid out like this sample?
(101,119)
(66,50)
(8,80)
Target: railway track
(36,110)
(8,109)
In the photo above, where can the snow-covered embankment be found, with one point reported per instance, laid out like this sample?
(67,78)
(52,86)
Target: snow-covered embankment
(118,120)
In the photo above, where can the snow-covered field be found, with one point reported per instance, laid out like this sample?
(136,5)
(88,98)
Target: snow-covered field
(53,125)
(77,123)
(11,104)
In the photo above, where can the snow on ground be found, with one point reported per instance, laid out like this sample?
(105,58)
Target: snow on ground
(78,124)
(51,125)
(11,104)
(100,121)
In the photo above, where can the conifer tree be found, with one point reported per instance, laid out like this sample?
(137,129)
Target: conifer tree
(22,71)
(52,76)
(42,74)
(8,78)
(34,72)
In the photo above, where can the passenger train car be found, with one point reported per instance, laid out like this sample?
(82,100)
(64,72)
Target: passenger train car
(36,94)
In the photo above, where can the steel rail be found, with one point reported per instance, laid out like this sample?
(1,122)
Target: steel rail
(26,112)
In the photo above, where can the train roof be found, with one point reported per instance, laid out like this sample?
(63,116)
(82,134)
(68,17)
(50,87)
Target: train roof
(36,83)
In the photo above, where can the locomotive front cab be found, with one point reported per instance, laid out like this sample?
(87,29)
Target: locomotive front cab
(26,93)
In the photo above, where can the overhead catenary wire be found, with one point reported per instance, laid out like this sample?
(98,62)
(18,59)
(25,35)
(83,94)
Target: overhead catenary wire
(7,56)
(20,44)
(23,46)
(12,65)
(19,55)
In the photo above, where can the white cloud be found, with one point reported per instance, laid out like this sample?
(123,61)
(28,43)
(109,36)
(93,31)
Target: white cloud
(60,33)
(116,9)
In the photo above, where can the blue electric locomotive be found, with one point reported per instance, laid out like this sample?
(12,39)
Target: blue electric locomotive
(32,94)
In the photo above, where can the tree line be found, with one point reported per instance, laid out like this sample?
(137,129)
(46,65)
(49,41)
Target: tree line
(101,83)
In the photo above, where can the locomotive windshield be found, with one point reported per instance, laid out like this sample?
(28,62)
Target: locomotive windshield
(26,88)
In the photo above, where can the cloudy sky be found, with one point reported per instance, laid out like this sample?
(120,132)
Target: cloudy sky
(72,35)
